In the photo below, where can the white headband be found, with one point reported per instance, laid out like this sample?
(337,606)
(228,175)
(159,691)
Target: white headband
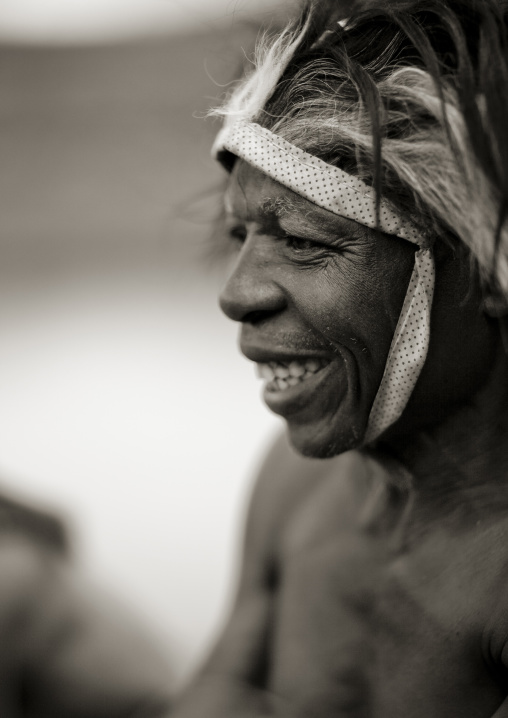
(331,188)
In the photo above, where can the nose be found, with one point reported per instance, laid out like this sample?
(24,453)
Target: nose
(251,293)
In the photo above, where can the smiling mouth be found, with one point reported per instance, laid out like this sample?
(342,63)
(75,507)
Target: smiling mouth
(280,376)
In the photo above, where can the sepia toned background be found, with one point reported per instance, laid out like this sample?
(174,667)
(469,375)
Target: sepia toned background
(125,405)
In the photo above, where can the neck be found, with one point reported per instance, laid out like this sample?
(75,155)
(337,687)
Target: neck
(462,461)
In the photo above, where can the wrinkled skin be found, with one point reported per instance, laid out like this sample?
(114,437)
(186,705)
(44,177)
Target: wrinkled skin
(374,583)
(308,283)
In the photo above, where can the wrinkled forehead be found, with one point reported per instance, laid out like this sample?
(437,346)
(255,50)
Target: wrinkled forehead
(251,195)
(248,185)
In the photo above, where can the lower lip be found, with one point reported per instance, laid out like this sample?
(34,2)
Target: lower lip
(296,399)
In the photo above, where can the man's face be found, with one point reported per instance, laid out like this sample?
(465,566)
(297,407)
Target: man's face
(318,297)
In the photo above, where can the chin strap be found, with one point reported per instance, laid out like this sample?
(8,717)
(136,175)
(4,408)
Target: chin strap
(408,349)
(335,190)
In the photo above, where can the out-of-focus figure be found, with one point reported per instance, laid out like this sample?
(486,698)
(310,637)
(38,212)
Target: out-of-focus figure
(67,650)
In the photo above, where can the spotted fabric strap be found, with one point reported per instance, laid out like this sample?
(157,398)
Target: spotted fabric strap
(408,349)
(321,183)
(335,190)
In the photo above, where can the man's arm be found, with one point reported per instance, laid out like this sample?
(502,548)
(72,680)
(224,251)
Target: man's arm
(233,682)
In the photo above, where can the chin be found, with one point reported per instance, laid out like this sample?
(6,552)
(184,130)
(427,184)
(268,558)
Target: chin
(322,443)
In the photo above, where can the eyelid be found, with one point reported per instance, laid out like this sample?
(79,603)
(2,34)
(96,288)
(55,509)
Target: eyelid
(312,233)
(309,244)
(305,232)
(324,235)
(321,242)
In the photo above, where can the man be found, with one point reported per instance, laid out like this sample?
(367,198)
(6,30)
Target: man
(368,193)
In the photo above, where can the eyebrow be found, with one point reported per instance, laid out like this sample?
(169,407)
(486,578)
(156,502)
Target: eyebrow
(275,206)
(283,208)
(280,206)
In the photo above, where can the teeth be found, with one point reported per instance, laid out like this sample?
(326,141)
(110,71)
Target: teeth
(265,372)
(296,369)
(281,371)
(280,376)
(312,365)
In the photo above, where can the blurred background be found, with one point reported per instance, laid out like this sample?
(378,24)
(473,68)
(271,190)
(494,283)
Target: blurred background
(124,402)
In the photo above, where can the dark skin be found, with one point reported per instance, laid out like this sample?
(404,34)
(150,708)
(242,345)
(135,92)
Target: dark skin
(374,583)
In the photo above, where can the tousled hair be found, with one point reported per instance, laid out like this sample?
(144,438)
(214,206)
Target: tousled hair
(409,95)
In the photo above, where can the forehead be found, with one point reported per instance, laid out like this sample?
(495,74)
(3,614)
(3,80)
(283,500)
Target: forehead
(253,196)
(250,189)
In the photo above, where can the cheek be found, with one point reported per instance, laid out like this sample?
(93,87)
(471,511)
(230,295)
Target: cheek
(356,301)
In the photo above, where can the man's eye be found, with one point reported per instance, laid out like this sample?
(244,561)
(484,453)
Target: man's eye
(239,233)
(298,244)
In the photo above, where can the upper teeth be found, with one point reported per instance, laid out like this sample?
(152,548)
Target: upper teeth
(289,374)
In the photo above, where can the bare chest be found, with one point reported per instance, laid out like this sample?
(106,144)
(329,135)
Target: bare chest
(364,631)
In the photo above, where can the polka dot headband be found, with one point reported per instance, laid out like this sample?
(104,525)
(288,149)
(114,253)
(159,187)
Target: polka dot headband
(331,188)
